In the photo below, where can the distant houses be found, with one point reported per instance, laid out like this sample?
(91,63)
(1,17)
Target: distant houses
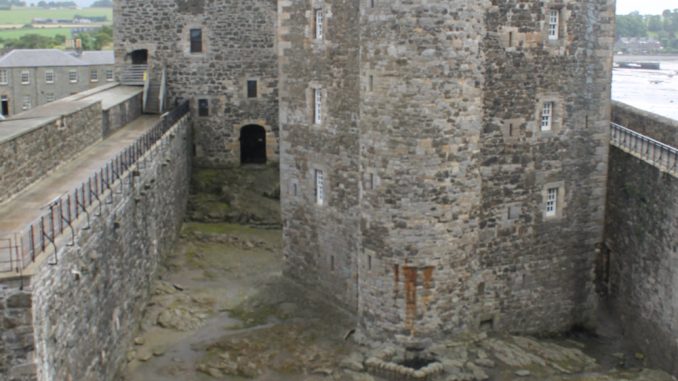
(32,77)
(638,45)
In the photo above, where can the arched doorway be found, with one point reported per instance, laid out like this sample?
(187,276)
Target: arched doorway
(252,145)
(139,57)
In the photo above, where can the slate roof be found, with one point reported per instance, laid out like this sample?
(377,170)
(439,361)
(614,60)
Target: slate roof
(53,57)
(97,57)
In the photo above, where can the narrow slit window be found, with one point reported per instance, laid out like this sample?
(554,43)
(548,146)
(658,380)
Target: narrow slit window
(552,202)
(319,24)
(317,106)
(319,187)
(196,40)
(251,88)
(554,24)
(203,107)
(547,116)
(371,83)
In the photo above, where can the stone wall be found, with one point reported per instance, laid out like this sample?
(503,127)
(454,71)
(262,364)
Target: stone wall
(26,157)
(321,242)
(16,335)
(454,166)
(420,126)
(655,126)
(119,115)
(537,270)
(639,268)
(87,307)
(74,320)
(239,43)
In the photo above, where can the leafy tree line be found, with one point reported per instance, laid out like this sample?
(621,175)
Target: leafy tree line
(57,4)
(4,4)
(102,4)
(663,28)
(95,40)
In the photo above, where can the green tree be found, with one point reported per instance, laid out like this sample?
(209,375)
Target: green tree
(631,25)
(30,41)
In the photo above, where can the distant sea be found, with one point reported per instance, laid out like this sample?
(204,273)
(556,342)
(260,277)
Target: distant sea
(651,90)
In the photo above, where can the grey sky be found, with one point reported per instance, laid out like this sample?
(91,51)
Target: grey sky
(649,7)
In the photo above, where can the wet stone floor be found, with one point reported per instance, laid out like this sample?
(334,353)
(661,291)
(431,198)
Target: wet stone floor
(221,310)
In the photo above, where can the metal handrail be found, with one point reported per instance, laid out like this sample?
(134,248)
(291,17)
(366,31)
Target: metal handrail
(644,147)
(23,247)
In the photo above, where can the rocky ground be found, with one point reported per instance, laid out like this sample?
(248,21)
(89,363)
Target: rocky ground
(221,310)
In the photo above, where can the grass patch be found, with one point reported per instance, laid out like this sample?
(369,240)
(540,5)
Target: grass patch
(253,317)
(27,14)
(197,227)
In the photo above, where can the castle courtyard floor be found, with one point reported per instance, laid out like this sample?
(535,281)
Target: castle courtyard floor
(221,310)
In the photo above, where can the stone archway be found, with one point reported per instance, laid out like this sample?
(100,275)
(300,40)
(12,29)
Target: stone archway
(139,57)
(252,144)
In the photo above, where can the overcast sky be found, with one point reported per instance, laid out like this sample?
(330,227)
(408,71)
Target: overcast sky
(649,7)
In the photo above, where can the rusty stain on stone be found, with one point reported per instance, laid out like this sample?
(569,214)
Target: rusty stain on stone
(410,275)
(428,285)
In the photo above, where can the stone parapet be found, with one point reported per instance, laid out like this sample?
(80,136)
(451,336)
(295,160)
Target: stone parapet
(655,126)
(75,317)
(29,149)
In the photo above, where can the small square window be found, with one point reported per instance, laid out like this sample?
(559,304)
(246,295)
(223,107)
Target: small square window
(73,76)
(319,187)
(94,75)
(4,77)
(25,77)
(196,40)
(109,75)
(319,24)
(252,88)
(49,97)
(203,107)
(49,76)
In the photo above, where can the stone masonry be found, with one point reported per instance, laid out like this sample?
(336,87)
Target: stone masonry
(74,320)
(435,165)
(31,153)
(639,266)
(238,44)
(655,126)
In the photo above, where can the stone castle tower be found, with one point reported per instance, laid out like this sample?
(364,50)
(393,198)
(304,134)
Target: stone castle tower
(219,54)
(443,162)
